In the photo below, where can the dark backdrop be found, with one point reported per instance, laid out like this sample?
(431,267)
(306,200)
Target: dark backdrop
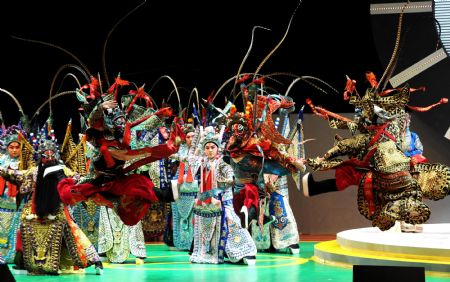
(197,44)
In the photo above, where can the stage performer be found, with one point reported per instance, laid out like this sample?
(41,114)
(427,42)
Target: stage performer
(185,179)
(110,132)
(12,199)
(252,151)
(52,241)
(218,233)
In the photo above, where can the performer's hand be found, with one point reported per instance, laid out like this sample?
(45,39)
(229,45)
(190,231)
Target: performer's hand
(109,104)
(300,164)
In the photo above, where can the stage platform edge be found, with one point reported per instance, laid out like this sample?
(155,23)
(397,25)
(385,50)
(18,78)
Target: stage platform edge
(371,246)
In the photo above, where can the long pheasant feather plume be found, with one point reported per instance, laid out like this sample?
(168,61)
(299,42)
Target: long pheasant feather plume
(307,79)
(231,79)
(279,43)
(392,62)
(245,58)
(57,47)
(67,75)
(36,113)
(174,87)
(194,91)
(109,35)
(15,101)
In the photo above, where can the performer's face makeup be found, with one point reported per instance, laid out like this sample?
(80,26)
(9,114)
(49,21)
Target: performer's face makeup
(119,126)
(47,156)
(238,130)
(211,150)
(189,137)
(14,149)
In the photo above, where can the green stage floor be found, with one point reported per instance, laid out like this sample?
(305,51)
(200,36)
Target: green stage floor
(163,264)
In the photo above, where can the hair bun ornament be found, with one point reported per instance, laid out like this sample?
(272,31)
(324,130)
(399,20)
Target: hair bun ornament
(188,127)
(10,134)
(210,136)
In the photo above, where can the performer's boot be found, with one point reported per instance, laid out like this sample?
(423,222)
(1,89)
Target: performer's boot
(18,261)
(411,228)
(249,260)
(252,214)
(294,249)
(313,188)
(98,268)
(140,260)
(191,249)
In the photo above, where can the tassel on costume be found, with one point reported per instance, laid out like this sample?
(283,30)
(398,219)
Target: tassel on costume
(107,155)
(189,178)
(181,173)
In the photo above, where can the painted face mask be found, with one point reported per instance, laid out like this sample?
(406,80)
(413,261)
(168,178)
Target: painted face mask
(239,130)
(115,121)
(48,156)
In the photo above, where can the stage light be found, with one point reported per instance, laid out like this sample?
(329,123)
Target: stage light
(440,11)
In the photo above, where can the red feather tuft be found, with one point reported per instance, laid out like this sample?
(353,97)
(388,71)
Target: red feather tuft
(107,155)
(372,79)
(259,81)
(242,79)
(115,87)
(425,109)
(210,99)
(127,135)
(94,88)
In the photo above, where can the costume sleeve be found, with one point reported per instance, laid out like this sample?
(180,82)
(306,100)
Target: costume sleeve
(349,146)
(225,173)
(418,147)
(343,124)
(283,158)
(24,178)
(353,147)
